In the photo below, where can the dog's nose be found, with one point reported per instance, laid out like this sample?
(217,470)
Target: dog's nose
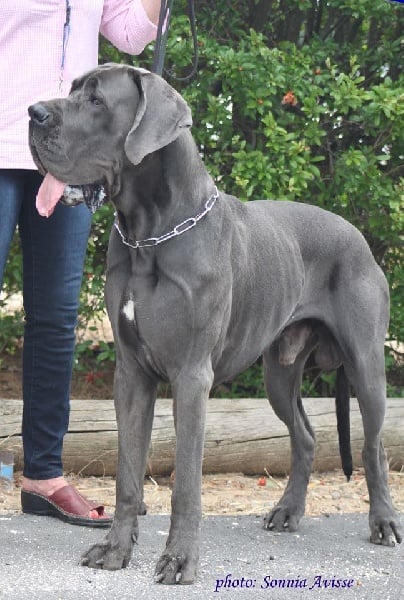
(38,113)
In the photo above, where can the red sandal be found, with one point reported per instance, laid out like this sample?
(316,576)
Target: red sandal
(66,504)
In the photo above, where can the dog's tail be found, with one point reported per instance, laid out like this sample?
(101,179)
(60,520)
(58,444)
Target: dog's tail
(343,421)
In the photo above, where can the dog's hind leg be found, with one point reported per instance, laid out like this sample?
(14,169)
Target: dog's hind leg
(367,376)
(283,388)
(135,396)
(362,313)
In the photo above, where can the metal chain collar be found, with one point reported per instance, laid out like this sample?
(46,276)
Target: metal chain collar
(178,229)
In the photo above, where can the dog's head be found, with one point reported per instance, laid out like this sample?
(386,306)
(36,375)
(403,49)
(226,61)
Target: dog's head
(113,114)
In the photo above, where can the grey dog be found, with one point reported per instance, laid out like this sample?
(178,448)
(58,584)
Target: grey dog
(199,285)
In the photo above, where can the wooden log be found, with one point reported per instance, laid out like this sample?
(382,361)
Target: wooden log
(241,436)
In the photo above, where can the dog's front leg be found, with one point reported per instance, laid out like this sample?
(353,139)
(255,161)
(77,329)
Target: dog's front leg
(179,561)
(134,403)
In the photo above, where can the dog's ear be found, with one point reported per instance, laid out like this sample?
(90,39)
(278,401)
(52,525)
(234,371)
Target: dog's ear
(161,116)
(77,83)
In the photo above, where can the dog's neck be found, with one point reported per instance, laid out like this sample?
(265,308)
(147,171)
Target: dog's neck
(156,195)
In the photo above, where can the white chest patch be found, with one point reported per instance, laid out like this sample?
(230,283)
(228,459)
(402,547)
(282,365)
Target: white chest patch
(129,310)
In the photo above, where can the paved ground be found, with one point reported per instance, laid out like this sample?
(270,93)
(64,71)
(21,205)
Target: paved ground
(239,560)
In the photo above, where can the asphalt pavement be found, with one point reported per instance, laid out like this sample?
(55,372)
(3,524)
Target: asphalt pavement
(330,557)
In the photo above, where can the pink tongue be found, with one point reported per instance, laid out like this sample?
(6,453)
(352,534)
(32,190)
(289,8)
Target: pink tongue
(49,194)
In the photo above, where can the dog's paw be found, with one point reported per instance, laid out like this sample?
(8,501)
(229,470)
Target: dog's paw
(385,531)
(175,568)
(283,518)
(104,556)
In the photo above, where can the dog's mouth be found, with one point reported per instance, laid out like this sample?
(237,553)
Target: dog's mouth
(52,190)
(92,194)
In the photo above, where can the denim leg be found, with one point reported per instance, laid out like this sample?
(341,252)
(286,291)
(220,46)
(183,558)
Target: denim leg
(53,256)
(11,195)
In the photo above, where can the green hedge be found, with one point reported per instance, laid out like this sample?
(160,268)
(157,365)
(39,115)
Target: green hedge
(337,143)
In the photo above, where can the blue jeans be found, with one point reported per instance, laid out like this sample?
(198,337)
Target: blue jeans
(53,257)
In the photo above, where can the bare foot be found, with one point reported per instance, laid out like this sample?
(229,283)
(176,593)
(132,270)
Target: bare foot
(45,487)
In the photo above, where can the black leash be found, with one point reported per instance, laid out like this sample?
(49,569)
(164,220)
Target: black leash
(161,39)
(162,36)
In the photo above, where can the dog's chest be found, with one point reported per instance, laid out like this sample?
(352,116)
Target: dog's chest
(130,336)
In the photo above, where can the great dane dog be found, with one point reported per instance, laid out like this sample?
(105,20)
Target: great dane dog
(199,285)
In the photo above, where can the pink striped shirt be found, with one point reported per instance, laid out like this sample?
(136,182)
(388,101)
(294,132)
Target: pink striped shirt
(31,51)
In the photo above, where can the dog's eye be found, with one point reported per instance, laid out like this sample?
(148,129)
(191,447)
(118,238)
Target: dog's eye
(96,100)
